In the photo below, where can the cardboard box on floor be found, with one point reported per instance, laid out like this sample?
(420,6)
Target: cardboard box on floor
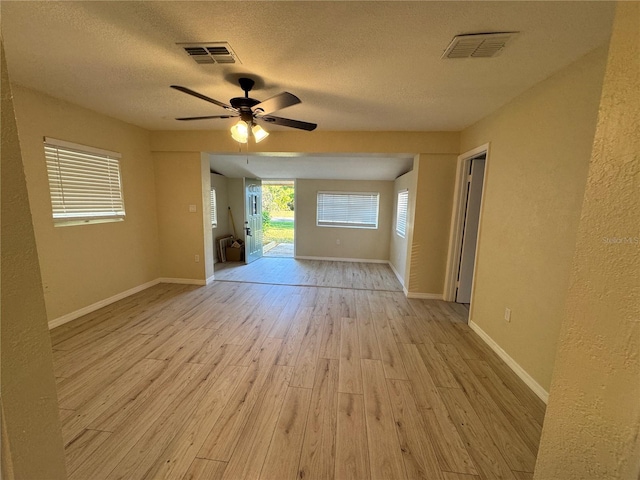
(235,254)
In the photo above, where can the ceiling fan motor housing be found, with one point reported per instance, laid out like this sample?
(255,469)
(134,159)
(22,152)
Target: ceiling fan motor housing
(245,104)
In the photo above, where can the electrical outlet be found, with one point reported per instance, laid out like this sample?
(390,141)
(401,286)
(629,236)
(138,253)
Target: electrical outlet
(507,314)
(192,209)
(197,258)
(337,241)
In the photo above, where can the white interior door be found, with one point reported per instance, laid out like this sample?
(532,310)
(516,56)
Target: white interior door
(470,232)
(253,219)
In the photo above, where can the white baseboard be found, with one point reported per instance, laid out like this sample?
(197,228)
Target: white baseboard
(210,279)
(182,281)
(340,259)
(398,276)
(408,294)
(518,370)
(56,322)
(423,296)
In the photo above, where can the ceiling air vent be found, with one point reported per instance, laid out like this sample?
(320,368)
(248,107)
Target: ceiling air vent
(478,45)
(211,52)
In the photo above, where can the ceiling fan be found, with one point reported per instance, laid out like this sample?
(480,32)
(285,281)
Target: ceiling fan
(249,110)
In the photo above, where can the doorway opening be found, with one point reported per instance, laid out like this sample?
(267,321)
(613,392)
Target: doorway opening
(278,218)
(465,226)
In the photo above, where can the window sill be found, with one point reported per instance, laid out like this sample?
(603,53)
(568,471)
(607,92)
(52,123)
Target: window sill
(71,223)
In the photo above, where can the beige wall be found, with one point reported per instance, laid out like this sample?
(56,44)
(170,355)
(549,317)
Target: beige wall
(399,247)
(85,264)
(219,182)
(310,142)
(355,243)
(32,442)
(433,203)
(540,145)
(592,427)
(181,232)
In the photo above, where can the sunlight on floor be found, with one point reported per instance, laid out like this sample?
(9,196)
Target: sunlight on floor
(274,249)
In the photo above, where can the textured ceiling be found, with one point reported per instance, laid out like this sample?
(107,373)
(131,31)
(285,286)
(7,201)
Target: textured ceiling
(355,65)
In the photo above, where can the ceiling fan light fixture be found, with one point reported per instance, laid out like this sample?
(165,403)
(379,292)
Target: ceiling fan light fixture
(259,133)
(240,132)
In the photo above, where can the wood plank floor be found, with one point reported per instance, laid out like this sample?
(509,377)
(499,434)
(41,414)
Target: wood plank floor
(244,380)
(316,273)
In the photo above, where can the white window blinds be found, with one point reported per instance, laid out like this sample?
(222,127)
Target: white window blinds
(348,209)
(401,213)
(84,182)
(214,209)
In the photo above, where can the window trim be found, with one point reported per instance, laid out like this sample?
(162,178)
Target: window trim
(112,179)
(402,233)
(214,208)
(336,224)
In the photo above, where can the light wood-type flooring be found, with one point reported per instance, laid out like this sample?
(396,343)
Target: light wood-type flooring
(243,380)
(318,273)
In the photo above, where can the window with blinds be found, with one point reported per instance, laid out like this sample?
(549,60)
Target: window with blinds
(84,183)
(401,213)
(214,209)
(348,209)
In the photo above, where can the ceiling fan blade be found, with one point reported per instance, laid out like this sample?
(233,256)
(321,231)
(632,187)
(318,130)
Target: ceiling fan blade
(287,122)
(203,97)
(207,117)
(277,102)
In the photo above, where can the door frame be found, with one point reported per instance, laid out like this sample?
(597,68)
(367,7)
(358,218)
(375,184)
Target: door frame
(245,184)
(295,205)
(295,216)
(457,221)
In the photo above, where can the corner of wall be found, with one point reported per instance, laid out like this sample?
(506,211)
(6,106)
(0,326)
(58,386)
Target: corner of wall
(182,209)
(435,181)
(592,426)
(30,420)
